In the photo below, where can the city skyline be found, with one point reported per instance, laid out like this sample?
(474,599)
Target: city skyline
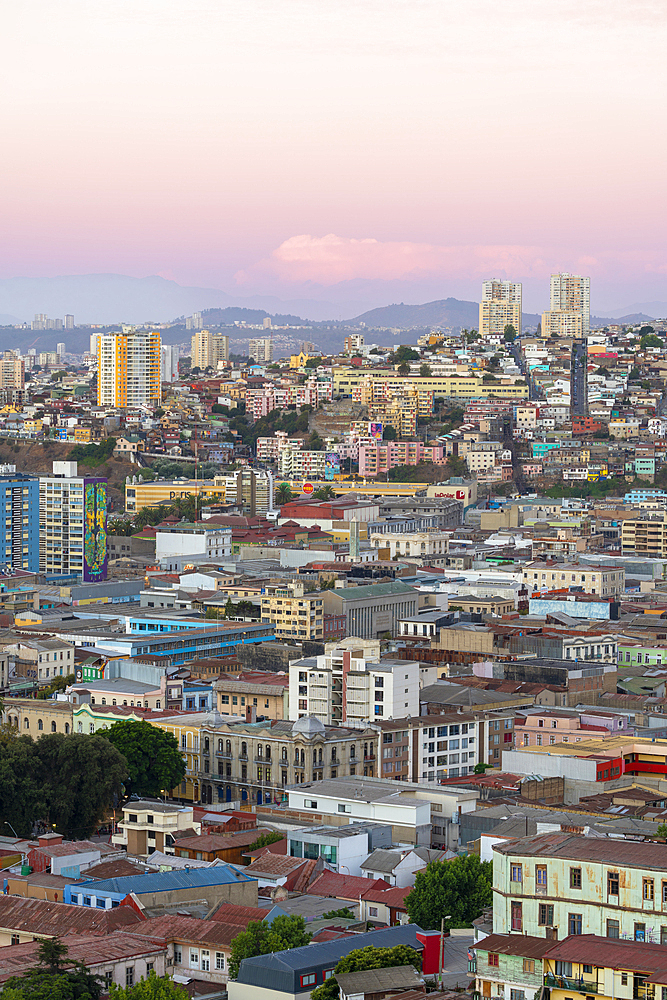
(389,152)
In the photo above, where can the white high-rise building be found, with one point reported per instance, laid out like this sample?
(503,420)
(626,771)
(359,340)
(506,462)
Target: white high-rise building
(69,321)
(72,524)
(60,350)
(169,362)
(572,293)
(500,307)
(128,368)
(261,350)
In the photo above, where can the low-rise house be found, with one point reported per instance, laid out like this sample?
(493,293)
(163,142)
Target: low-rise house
(399,867)
(216,884)
(23,919)
(148,825)
(225,847)
(343,848)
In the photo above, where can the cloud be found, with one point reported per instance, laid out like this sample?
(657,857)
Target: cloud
(330,259)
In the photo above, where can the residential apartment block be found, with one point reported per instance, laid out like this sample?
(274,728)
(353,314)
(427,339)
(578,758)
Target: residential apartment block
(558,884)
(19,521)
(572,293)
(500,307)
(292,612)
(343,686)
(73,524)
(208,348)
(376,457)
(128,368)
(607,581)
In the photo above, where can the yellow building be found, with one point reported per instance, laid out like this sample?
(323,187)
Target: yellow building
(128,368)
(138,495)
(345,380)
(186,730)
(298,360)
(34,718)
(562,323)
(293,613)
(208,348)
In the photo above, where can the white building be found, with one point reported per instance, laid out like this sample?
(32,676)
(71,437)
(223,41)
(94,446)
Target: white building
(342,686)
(418,544)
(72,524)
(261,350)
(192,542)
(572,293)
(169,362)
(500,307)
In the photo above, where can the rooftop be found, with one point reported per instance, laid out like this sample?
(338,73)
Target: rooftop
(593,849)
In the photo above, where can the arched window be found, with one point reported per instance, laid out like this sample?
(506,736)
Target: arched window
(113,702)
(320,755)
(79,727)
(259,749)
(67,729)
(158,704)
(104,701)
(267,754)
(219,746)
(244,749)
(26,723)
(228,746)
(40,724)
(206,744)
(53,727)
(314,757)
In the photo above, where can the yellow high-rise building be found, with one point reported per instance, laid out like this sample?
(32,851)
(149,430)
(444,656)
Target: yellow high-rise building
(129,368)
(208,348)
(500,307)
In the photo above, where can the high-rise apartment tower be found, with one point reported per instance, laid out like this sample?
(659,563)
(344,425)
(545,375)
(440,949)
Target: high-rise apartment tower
(128,368)
(572,293)
(500,307)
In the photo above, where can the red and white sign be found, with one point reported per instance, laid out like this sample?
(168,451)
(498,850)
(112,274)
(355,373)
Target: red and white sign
(308,488)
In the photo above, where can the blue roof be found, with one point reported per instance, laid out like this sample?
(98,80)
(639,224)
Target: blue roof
(279,970)
(182,878)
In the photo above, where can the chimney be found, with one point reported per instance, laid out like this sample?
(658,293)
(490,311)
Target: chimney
(49,839)
(251,713)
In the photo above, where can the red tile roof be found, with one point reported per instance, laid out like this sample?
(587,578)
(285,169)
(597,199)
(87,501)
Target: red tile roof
(390,897)
(232,913)
(274,865)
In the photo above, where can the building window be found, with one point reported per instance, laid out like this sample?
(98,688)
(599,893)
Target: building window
(612,883)
(624,979)
(178,955)
(575,878)
(516,873)
(574,923)
(517,918)
(205,960)
(219,960)
(640,932)
(529,965)
(647,888)
(309,979)
(613,929)
(564,969)
(129,975)
(493,960)
(16,939)
(541,876)
(545,915)
(517,995)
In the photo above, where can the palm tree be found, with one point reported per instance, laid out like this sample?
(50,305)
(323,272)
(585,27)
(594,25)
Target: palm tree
(283,494)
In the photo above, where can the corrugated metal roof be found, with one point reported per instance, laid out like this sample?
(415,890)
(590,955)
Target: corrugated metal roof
(44,918)
(612,953)
(579,848)
(514,944)
(372,980)
(184,878)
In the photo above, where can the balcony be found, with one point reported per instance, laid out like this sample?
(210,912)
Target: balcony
(225,754)
(369,756)
(263,760)
(574,985)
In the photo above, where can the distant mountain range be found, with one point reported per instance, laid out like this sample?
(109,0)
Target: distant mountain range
(108,299)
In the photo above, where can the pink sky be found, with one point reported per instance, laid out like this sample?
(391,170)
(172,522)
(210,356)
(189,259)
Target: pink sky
(272,145)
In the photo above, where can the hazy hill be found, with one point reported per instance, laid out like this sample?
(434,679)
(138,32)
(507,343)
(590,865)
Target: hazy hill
(443,312)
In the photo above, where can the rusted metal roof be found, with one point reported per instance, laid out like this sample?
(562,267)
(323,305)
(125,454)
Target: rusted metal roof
(611,953)
(514,944)
(576,847)
(86,948)
(46,919)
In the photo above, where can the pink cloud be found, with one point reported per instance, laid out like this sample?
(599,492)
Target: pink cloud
(330,259)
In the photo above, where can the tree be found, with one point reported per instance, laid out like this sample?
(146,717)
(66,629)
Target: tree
(404,368)
(456,466)
(324,493)
(634,374)
(81,778)
(461,887)
(21,799)
(345,914)
(389,433)
(650,340)
(369,957)
(51,980)
(283,494)
(152,988)
(509,334)
(425,371)
(405,353)
(265,839)
(480,768)
(153,757)
(662,830)
(261,938)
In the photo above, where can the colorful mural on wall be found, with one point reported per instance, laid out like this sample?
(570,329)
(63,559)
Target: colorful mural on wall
(95,541)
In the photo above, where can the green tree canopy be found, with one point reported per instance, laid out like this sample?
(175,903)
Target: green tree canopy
(265,839)
(153,757)
(405,353)
(283,494)
(261,938)
(389,433)
(509,334)
(404,368)
(425,371)
(461,887)
(662,830)
(81,776)
(51,979)
(369,957)
(152,988)
(650,340)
